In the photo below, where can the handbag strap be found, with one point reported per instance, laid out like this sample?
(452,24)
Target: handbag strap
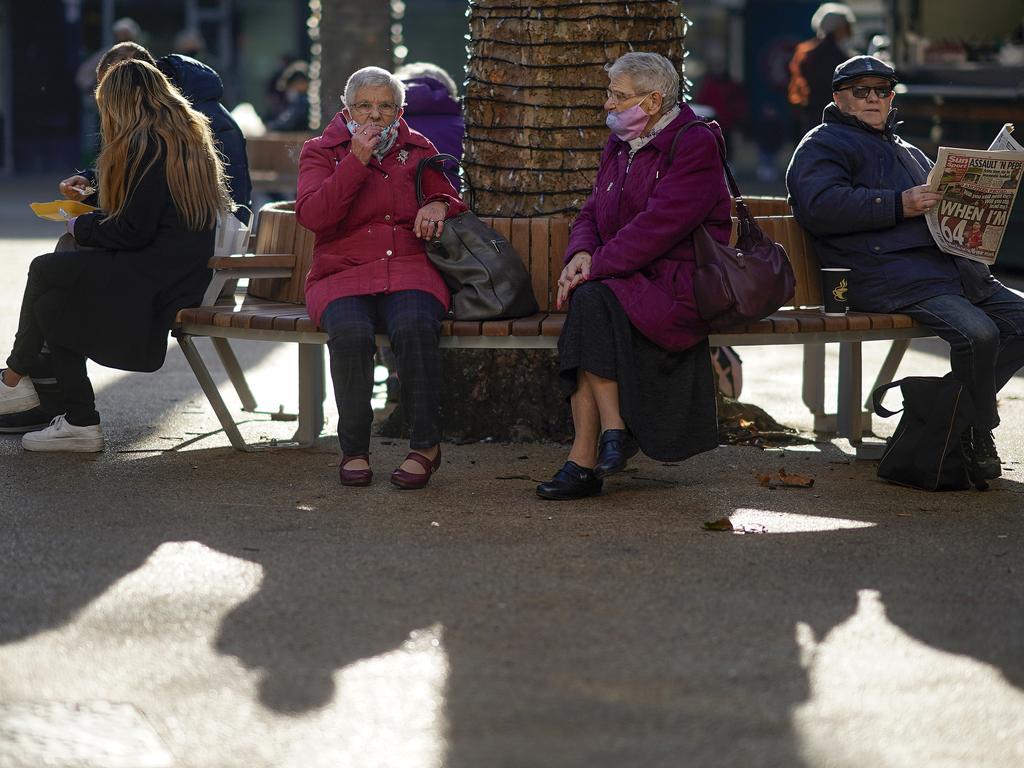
(879,393)
(439,160)
(742,211)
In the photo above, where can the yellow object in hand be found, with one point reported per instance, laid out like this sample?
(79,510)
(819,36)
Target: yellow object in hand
(60,210)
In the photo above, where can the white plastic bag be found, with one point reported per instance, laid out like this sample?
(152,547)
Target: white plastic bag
(232,235)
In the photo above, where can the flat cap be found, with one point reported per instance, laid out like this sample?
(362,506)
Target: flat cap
(862,66)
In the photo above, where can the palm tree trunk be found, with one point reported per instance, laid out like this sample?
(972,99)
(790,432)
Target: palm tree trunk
(535,87)
(346,35)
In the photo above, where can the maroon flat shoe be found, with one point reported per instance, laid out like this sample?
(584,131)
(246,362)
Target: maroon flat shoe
(410,482)
(355,476)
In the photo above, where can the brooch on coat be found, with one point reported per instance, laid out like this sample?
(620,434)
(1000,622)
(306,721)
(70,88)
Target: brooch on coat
(403,155)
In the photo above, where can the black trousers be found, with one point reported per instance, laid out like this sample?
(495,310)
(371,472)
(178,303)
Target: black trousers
(52,278)
(412,320)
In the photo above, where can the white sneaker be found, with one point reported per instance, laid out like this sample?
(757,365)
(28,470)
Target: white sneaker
(21,397)
(62,436)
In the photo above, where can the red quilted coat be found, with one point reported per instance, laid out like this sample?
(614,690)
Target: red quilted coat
(362,216)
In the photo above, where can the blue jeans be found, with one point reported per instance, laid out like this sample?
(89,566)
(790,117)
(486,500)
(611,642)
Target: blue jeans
(412,321)
(986,342)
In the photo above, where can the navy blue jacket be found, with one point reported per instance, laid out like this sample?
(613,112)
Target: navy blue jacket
(203,88)
(845,184)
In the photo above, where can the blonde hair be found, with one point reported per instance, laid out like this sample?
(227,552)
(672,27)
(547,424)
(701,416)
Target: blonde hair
(142,114)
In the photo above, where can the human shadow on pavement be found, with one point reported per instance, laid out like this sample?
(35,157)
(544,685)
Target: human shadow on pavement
(610,632)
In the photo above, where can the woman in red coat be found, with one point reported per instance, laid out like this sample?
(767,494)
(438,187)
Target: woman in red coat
(357,193)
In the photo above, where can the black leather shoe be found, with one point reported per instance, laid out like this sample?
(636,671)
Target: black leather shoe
(571,482)
(617,448)
(985,454)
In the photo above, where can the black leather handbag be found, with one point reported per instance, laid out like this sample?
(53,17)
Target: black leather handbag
(734,286)
(927,449)
(487,278)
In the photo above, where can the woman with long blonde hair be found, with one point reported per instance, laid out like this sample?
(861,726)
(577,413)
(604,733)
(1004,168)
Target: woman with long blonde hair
(161,188)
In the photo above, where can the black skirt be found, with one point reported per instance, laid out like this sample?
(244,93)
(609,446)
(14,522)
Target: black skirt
(667,399)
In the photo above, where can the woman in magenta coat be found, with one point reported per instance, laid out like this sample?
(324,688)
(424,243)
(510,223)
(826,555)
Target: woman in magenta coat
(633,353)
(357,193)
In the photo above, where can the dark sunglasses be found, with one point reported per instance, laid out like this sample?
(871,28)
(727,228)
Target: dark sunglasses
(862,91)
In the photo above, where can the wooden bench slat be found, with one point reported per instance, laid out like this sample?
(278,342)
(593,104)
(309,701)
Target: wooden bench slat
(552,324)
(538,259)
(497,328)
(528,326)
(252,261)
(559,243)
(465,328)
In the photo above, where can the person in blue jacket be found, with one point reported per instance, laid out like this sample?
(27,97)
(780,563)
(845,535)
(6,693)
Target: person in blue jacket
(203,88)
(861,191)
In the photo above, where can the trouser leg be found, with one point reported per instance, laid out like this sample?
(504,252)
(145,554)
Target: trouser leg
(349,323)
(413,320)
(79,398)
(51,276)
(974,340)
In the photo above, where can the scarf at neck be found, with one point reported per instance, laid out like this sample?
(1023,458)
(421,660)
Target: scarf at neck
(642,141)
(388,138)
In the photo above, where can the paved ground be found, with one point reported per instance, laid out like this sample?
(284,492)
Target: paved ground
(173,603)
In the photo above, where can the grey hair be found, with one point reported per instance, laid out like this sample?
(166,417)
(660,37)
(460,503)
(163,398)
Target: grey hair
(372,77)
(831,16)
(649,72)
(426,69)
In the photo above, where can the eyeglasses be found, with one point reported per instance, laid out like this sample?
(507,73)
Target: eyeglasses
(862,91)
(616,97)
(366,107)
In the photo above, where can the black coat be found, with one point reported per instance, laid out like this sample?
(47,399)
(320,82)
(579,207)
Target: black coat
(146,268)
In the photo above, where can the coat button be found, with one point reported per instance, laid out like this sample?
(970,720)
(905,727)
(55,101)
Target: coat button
(878,199)
(385,176)
(388,253)
(876,248)
(387,217)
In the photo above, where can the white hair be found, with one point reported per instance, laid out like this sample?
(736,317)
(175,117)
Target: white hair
(370,77)
(649,72)
(831,16)
(426,69)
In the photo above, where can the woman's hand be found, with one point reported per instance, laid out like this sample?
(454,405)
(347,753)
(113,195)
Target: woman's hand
(75,188)
(575,272)
(364,140)
(430,220)
(917,201)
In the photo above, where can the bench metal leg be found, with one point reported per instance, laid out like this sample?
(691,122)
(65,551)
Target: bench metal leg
(311,394)
(235,373)
(209,387)
(814,387)
(849,417)
(889,367)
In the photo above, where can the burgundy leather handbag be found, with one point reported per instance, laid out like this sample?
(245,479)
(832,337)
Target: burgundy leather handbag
(737,285)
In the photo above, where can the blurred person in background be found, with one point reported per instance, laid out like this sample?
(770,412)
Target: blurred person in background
(294,112)
(727,97)
(814,61)
(124,30)
(432,107)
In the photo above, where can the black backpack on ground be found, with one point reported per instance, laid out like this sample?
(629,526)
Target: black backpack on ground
(927,449)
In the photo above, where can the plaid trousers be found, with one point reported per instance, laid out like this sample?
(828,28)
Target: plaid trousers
(412,321)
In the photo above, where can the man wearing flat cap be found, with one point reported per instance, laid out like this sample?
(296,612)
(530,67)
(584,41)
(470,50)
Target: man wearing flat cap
(860,190)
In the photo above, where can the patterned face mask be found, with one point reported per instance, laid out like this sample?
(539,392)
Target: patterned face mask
(387,137)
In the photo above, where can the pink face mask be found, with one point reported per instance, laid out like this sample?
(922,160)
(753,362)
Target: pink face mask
(628,123)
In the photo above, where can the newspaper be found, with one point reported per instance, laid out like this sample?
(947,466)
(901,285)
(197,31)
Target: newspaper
(978,188)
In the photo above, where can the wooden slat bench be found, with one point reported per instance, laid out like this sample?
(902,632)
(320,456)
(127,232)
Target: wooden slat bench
(272,309)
